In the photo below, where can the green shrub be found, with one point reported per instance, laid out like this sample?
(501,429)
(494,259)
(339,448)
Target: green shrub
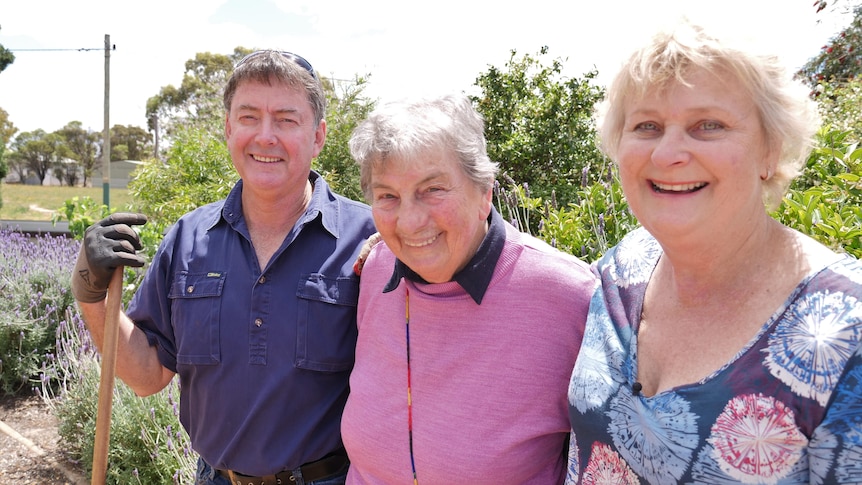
(825,202)
(587,227)
(81,212)
(594,223)
(198,171)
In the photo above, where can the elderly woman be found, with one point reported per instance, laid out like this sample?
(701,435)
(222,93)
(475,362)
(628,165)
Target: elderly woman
(468,329)
(722,347)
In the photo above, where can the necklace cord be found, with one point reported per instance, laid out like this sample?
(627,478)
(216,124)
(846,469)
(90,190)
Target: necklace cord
(409,386)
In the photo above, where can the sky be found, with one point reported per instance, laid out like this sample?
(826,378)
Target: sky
(407,48)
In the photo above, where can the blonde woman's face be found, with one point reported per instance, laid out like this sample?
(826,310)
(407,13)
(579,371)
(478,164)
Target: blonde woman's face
(691,157)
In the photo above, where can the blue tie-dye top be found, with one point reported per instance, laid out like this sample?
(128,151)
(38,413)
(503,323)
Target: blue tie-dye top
(786,410)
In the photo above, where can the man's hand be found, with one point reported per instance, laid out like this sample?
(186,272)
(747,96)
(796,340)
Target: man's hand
(107,244)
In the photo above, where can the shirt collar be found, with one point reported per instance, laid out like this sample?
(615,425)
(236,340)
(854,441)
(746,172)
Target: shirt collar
(476,276)
(323,203)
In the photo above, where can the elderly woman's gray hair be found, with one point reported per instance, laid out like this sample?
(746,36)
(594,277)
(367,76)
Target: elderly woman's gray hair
(406,129)
(788,115)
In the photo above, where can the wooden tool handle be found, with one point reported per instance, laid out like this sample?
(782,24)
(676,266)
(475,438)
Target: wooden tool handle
(106,381)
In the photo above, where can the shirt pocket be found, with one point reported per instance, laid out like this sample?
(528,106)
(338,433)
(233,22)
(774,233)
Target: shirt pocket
(326,322)
(196,303)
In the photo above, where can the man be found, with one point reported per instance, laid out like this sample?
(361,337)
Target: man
(250,300)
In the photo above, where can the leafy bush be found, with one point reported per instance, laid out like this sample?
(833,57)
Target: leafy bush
(840,105)
(825,202)
(595,222)
(345,110)
(586,227)
(81,212)
(198,172)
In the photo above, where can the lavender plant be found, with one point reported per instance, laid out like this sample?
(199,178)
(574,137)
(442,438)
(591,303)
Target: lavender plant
(147,442)
(45,347)
(34,294)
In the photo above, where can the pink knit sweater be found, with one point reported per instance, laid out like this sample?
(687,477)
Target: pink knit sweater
(489,381)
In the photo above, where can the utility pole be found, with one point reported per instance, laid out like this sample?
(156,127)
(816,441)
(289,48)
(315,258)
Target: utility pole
(106,135)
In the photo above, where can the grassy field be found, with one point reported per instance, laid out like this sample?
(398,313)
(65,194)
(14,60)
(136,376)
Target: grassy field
(37,203)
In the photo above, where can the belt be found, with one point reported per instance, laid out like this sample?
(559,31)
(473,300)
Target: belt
(330,464)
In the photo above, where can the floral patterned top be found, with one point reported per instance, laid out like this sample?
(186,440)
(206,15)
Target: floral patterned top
(787,409)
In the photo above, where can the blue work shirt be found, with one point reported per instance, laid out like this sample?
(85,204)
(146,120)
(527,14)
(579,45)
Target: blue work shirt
(263,357)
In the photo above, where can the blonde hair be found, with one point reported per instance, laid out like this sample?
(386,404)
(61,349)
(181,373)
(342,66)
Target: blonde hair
(788,115)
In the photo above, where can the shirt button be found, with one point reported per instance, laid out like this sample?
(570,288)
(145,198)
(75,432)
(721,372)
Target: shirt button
(190,289)
(262,279)
(258,322)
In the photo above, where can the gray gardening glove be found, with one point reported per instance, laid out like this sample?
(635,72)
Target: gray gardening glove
(107,244)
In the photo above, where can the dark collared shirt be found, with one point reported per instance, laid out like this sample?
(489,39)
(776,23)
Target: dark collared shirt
(263,357)
(476,276)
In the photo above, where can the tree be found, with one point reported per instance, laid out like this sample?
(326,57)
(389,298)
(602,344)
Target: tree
(840,107)
(4,167)
(344,111)
(7,129)
(16,164)
(7,132)
(38,152)
(199,97)
(840,59)
(67,171)
(6,58)
(129,143)
(82,146)
(539,125)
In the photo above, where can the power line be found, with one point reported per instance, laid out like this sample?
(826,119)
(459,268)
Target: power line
(55,50)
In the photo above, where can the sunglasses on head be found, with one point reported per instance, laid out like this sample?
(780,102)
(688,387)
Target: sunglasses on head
(298,60)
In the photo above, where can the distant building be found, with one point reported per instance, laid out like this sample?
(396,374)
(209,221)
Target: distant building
(120,175)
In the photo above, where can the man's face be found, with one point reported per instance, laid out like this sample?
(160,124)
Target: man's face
(272,136)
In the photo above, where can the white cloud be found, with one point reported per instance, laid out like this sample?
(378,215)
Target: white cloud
(407,47)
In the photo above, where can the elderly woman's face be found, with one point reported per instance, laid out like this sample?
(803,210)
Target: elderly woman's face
(691,157)
(429,213)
